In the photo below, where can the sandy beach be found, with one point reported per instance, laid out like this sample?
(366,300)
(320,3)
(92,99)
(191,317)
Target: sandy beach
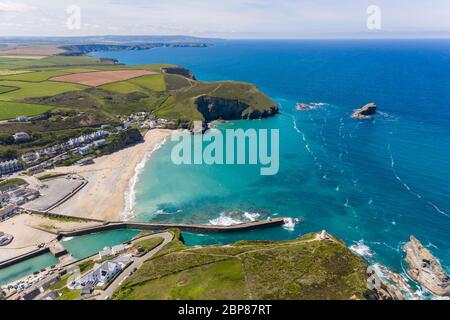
(108,180)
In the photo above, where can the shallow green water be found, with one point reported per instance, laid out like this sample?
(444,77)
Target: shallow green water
(87,245)
(80,247)
(26,267)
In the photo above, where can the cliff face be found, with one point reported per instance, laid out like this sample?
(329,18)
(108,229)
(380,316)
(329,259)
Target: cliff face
(82,49)
(180,71)
(122,140)
(213,108)
(426,269)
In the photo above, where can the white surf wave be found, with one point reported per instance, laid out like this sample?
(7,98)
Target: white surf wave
(361,249)
(233,218)
(409,188)
(130,195)
(290,223)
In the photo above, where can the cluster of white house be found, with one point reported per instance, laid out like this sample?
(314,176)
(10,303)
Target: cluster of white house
(145,120)
(82,144)
(10,166)
(101,274)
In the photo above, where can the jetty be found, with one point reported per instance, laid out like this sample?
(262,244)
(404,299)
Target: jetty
(56,248)
(197,228)
(149,226)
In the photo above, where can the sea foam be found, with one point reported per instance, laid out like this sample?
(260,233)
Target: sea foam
(130,195)
(234,217)
(361,249)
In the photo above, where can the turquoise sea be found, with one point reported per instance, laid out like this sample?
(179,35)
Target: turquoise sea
(372,183)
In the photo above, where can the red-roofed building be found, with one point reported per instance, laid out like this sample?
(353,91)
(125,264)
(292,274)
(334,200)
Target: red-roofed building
(7,212)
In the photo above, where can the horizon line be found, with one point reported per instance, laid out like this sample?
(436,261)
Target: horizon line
(416,37)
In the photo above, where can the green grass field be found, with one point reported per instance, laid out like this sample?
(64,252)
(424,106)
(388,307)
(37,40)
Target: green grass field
(11,110)
(149,244)
(11,72)
(34,76)
(11,182)
(299,269)
(36,89)
(142,84)
(4,89)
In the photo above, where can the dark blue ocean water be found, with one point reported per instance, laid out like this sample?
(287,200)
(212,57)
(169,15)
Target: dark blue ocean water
(372,183)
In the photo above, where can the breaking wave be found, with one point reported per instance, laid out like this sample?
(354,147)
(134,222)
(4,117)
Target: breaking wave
(235,217)
(409,189)
(290,223)
(130,195)
(361,249)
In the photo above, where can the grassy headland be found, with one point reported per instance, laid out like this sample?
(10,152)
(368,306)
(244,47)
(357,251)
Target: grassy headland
(306,268)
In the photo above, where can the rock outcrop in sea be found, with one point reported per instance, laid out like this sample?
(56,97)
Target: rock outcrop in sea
(388,285)
(426,269)
(365,112)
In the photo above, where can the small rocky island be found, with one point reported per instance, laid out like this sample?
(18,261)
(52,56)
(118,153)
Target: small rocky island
(365,112)
(426,269)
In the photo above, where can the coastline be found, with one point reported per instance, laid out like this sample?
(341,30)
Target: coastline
(130,195)
(109,193)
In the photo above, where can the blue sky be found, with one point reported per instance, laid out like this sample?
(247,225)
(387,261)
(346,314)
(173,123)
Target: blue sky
(228,18)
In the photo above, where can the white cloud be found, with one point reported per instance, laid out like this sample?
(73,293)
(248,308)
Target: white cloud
(9,6)
(225,18)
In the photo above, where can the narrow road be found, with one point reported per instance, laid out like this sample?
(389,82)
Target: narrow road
(137,263)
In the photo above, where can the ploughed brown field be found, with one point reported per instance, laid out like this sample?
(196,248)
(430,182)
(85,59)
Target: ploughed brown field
(99,78)
(37,51)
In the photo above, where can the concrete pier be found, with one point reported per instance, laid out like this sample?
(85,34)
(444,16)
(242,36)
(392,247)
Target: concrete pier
(183,227)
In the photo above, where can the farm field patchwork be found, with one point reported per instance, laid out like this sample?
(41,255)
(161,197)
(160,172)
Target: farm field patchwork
(99,78)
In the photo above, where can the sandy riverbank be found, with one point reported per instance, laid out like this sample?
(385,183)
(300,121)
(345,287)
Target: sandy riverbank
(108,180)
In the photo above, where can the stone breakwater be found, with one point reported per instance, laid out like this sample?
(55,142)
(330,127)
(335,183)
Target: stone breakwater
(365,112)
(426,269)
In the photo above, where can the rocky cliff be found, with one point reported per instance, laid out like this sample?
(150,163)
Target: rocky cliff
(365,112)
(82,49)
(122,140)
(426,269)
(180,71)
(214,108)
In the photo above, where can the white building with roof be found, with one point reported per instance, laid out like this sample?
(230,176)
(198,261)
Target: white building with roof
(84,150)
(21,136)
(30,157)
(101,274)
(10,166)
(22,119)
